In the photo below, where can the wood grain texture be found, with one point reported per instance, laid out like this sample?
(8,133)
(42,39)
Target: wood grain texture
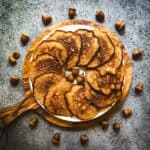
(10,113)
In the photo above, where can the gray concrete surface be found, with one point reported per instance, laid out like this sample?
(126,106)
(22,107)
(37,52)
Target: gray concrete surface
(17,16)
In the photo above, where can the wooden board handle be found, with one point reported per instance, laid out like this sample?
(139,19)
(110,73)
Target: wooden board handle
(10,113)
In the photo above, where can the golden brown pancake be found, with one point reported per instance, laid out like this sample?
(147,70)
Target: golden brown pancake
(104,83)
(72,42)
(100,101)
(90,46)
(44,64)
(42,84)
(53,48)
(116,61)
(55,99)
(78,104)
(105,51)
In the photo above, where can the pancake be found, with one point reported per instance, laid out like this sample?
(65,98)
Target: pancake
(42,84)
(104,84)
(79,104)
(90,46)
(100,101)
(45,64)
(52,48)
(92,77)
(55,101)
(116,61)
(105,52)
(72,42)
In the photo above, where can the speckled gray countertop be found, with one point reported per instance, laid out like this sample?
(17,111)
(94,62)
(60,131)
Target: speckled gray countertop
(17,16)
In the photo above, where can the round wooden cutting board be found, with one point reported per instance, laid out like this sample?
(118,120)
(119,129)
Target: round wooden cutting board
(7,115)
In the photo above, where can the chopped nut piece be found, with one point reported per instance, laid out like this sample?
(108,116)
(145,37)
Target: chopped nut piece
(84,139)
(137,54)
(116,127)
(106,91)
(139,87)
(118,93)
(100,16)
(33,122)
(16,54)
(72,13)
(112,86)
(80,79)
(102,71)
(111,71)
(104,124)
(118,86)
(70,77)
(56,138)
(75,71)
(24,39)
(127,113)
(46,19)
(120,26)
(12,60)
(14,80)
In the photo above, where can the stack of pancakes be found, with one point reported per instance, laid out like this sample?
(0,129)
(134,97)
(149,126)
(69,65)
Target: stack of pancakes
(100,53)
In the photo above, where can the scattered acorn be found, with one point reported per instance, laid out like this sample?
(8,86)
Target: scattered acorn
(127,113)
(16,54)
(75,71)
(100,16)
(84,139)
(120,26)
(136,54)
(80,79)
(24,39)
(46,19)
(104,124)
(56,138)
(33,122)
(72,13)
(116,127)
(14,80)
(139,87)
(12,60)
